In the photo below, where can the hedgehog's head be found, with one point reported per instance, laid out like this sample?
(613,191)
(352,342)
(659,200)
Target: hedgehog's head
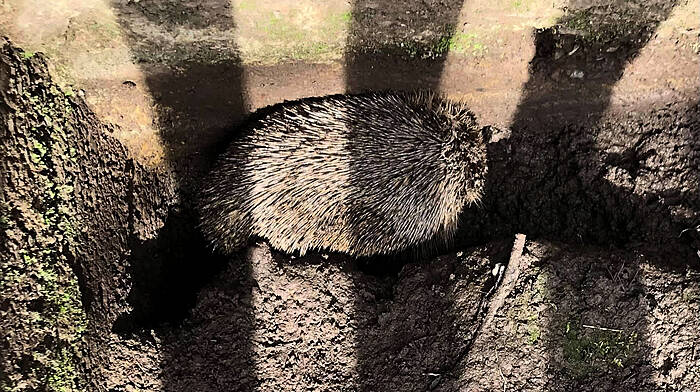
(464,150)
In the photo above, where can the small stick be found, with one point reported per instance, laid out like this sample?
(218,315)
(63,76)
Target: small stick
(602,328)
(503,289)
(511,278)
(503,377)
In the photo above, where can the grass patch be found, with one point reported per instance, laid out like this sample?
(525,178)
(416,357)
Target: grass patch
(526,311)
(611,25)
(462,43)
(589,350)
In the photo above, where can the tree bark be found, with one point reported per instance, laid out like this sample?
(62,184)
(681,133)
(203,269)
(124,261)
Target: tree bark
(72,201)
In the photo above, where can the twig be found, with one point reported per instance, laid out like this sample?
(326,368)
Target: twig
(511,278)
(505,382)
(503,289)
(602,328)
(617,275)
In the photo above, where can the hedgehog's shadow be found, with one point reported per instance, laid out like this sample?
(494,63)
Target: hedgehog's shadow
(377,266)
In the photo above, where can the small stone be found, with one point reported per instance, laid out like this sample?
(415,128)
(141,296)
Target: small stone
(496,269)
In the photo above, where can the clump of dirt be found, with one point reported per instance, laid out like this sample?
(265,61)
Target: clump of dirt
(580,318)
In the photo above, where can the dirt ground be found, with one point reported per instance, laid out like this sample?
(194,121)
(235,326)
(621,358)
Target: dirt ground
(595,157)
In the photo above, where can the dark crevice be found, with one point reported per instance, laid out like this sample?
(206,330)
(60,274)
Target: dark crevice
(167,273)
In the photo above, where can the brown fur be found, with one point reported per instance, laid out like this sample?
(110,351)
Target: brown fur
(367,174)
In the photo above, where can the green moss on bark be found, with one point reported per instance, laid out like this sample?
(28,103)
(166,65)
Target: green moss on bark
(38,222)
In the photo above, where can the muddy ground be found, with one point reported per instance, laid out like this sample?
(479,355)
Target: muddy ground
(107,284)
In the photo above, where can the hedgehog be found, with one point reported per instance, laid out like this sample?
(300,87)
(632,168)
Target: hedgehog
(368,174)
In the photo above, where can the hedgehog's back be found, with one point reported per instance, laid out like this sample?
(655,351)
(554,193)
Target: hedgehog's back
(362,175)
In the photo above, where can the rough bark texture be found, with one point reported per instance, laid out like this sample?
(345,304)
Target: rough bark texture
(73,204)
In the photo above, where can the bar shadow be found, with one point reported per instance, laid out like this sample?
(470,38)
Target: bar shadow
(393,351)
(525,189)
(553,178)
(197,89)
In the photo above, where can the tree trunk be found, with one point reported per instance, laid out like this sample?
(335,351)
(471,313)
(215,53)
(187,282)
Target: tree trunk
(72,203)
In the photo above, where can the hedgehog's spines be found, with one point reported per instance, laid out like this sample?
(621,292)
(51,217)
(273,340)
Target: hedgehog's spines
(365,174)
